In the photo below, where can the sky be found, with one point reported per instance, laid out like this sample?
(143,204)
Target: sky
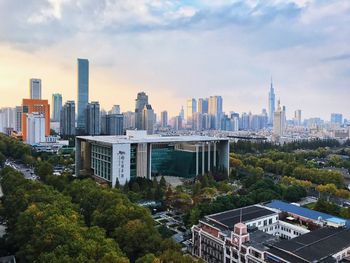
(174,50)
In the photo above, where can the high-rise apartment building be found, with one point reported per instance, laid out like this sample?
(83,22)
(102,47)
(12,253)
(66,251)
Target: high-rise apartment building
(83,94)
(35,89)
(215,111)
(140,102)
(35,106)
(297,117)
(18,121)
(56,106)
(203,105)
(93,118)
(271,103)
(67,119)
(35,128)
(191,107)
(164,119)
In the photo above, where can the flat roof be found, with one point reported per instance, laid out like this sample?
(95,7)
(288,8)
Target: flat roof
(232,217)
(120,139)
(304,212)
(314,246)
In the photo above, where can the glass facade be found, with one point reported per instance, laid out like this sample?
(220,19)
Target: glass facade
(167,160)
(83,92)
(101,157)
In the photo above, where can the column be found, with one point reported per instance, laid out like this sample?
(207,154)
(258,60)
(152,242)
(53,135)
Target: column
(149,161)
(209,156)
(77,156)
(203,158)
(196,160)
(214,154)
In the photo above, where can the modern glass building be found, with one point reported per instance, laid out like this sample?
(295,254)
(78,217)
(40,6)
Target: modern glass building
(83,93)
(57,106)
(120,158)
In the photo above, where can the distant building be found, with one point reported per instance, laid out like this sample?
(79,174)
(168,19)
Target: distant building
(67,119)
(56,106)
(112,124)
(191,107)
(93,118)
(297,117)
(271,104)
(279,121)
(148,119)
(83,94)
(35,106)
(215,111)
(164,119)
(35,89)
(7,119)
(18,121)
(140,103)
(337,118)
(203,105)
(115,109)
(129,120)
(35,128)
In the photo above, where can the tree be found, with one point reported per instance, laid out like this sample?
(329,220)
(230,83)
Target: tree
(43,169)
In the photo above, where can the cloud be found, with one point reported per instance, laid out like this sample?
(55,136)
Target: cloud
(337,58)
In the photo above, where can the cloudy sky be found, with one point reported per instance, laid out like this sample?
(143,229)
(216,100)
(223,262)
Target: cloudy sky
(174,50)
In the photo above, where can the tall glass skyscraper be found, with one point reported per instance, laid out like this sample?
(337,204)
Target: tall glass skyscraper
(57,106)
(83,93)
(271,104)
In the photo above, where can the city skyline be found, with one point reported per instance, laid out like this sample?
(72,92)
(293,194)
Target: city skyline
(191,54)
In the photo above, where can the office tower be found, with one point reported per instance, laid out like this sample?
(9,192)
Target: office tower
(191,109)
(83,94)
(129,120)
(203,105)
(176,123)
(148,119)
(115,110)
(297,117)
(35,89)
(112,124)
(7,119)
(140,102)
(244,121)
(67,119)
(93,120)
(271,103)
(35,128)
(37,106)
(56,106)
(215,111)
(337,118)
(18,124)
(279,120)
(164,119)
(182,113)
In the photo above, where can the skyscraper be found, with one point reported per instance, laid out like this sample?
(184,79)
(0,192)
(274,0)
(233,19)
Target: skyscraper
(112,124)
(67,119)
(203,105)
(164,119)
(215,111)
(140,102)
(35,89)
(57,106)
(191,109)
(115,109)
(93,118)
(18,124)
(83,94)
(148,119)
(297,117)
(271,104)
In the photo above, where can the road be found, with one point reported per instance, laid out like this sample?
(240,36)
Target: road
(28,172)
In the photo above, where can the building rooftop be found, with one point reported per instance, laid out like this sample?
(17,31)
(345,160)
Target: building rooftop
(229,218)
(261,240)
(150,139)
(305,212)
(315,246)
